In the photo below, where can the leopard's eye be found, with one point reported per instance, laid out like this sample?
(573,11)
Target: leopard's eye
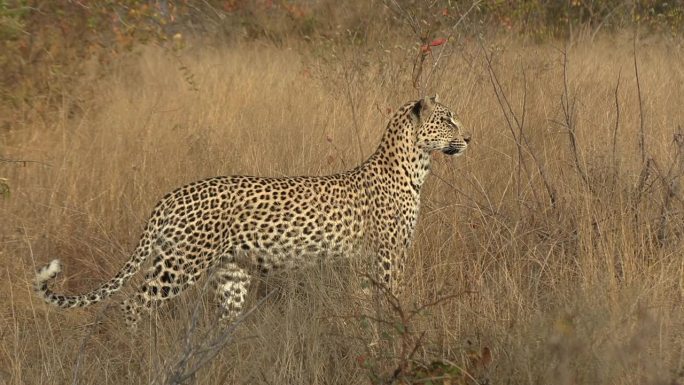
(449,122)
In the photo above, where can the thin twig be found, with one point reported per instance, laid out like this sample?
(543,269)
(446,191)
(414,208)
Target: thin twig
(642,139)
(521,140)
(206,351)
(473,6)
(439,300)
(669,185)
(352,106)
(568,108)
(84,340)
(423,36)
(615,129)
(24,161)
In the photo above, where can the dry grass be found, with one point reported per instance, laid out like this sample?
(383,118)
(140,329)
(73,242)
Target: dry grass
(588,289)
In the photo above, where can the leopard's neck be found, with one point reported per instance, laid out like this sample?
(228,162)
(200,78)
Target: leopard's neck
(396,158)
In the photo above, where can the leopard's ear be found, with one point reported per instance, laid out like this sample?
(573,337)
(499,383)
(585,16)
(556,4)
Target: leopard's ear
(422,109)
(435,98)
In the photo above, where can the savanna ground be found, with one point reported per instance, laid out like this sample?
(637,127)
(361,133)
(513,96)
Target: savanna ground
(554,245)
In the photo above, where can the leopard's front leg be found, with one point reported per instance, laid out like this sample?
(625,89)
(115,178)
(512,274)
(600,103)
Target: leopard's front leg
(390,269)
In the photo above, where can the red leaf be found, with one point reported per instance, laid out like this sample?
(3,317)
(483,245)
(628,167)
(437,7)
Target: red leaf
(437,42)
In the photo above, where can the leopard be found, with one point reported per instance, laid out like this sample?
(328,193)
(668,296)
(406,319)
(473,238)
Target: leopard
(241,227)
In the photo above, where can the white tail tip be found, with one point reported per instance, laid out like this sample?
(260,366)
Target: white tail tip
(49,271)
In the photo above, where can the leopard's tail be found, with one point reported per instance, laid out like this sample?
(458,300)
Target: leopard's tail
(51,270)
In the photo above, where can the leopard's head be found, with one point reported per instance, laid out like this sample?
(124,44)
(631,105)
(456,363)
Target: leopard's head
(437,128)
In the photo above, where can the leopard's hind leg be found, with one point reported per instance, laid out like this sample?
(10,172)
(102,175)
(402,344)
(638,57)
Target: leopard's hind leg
(171,273)
(231,283)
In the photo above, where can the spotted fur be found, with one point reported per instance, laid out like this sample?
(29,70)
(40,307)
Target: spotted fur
(246,225)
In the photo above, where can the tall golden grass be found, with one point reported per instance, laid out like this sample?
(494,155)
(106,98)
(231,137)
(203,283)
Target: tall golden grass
(564,259)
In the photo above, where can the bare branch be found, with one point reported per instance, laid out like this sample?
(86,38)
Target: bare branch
(642,143)
(519,137)
(205,351)
(615,129)
(348,80)
(568,108)
(24,161)
(423,33)
(435,64)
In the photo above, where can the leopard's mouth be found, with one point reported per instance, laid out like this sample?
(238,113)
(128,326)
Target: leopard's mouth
(454,150)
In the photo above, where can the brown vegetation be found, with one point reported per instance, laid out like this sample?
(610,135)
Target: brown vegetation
(558,236)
